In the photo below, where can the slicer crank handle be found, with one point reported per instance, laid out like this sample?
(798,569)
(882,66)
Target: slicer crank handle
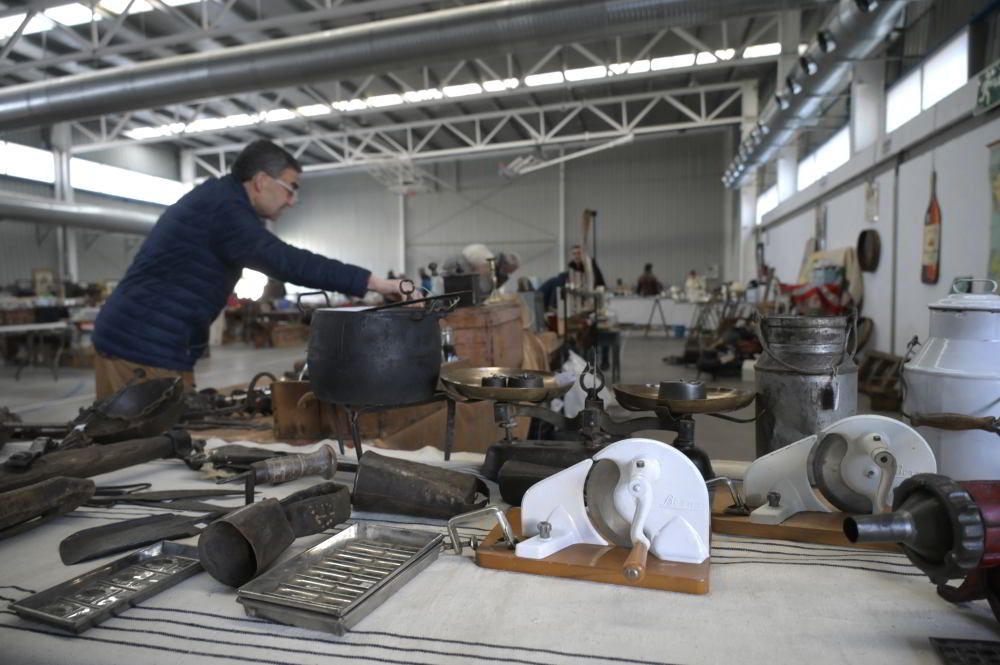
(635,565)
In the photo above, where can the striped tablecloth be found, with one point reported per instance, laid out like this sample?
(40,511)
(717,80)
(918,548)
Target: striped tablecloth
(770,602)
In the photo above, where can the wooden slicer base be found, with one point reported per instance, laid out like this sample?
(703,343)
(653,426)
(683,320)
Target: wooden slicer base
(593,563)
(817,528)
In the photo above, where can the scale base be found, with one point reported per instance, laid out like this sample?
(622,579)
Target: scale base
(594,563)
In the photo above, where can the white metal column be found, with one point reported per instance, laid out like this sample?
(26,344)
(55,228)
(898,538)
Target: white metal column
(867,104)
(748,193)
(789,29)
(69,259)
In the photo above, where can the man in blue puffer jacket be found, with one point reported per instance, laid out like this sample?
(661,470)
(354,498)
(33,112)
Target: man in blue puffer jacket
(157,318)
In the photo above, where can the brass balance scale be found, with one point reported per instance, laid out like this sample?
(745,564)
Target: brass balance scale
(516,392)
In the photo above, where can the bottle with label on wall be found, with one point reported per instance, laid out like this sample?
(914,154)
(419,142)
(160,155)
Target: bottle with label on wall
(931,261)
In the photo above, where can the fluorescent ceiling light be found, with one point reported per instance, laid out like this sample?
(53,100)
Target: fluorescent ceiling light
(279,115)
(762,50)
(705,58)
(586,73)
(74,14)
(241,120)
(498,85)
(672,62)
(414,96)
(139,6)
(462,90)
(353,105)
(725,54)
(639,67)
(380,101)
(10,24)
(803,48)
(311,110)
(618,68)
(205,125)
(548,78)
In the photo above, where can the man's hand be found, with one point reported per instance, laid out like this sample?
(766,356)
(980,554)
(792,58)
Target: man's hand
(387,287)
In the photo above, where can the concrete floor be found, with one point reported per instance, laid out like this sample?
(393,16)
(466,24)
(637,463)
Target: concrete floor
(37,397)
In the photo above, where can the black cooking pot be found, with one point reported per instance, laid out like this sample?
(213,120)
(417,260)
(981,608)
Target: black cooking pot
(388,356)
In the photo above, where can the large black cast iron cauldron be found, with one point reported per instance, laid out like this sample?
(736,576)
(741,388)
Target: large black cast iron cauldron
(377,357)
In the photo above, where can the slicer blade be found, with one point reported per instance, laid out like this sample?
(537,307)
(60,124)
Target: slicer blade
(598,497)
(826,475)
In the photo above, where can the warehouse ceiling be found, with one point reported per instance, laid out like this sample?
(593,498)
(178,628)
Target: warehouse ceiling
(606,90)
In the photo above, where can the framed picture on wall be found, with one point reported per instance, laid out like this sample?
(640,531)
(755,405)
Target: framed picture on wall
(44,281)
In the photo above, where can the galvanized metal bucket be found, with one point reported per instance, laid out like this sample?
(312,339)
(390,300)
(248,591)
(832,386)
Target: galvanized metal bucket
(806,377)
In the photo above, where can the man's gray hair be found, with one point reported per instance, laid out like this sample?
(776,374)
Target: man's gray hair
(263,156)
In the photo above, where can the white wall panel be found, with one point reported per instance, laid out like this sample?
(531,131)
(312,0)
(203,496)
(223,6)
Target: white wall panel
(785,245)
(349,217)
(481,206)
(963,189)
(658,201)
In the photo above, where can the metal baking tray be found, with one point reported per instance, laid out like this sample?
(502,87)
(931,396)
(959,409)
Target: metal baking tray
(87,600)
(334,585)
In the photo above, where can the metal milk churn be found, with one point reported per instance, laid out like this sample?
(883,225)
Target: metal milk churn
(951,388)
(806,377)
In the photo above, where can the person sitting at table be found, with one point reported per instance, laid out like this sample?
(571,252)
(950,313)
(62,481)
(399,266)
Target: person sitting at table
(648,285)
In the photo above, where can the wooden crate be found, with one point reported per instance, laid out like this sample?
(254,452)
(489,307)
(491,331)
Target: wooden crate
(488,335)
(289,334)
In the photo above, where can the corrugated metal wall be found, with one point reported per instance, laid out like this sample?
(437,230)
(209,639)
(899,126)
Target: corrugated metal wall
(658,202)
(21,251)
(350,217)
(516,215)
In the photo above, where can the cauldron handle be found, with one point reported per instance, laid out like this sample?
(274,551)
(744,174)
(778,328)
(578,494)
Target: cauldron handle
(298,299)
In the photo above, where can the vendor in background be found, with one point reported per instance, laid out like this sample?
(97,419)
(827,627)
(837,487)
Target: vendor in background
(694,287)
(648,285)
(584,273)
(157,319)
(475,259)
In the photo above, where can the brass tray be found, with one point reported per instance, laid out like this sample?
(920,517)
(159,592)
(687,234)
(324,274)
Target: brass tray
(645,397)
(467,383)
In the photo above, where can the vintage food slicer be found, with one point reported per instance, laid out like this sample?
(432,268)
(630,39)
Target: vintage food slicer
(601,518)
(852,466)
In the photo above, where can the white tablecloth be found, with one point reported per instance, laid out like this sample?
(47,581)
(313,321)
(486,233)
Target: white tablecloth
(770,602)
(635,310)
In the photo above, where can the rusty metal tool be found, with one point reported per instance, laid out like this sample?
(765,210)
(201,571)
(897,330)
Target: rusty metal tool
(95,460)
(28,507)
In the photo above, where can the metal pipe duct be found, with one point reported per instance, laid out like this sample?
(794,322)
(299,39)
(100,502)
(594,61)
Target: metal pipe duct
(855,30)
(24,209)
(409,41)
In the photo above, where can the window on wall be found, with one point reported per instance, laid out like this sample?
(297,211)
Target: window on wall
(767,202)
(940,75)
(22,161)
(832,154)
(128,184)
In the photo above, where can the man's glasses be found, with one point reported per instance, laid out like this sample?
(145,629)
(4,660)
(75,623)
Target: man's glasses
(293,190)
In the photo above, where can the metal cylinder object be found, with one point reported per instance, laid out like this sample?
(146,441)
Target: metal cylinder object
(389,485)
(241,545)
(881,528)
(682,390)
(957,371)
(806,377)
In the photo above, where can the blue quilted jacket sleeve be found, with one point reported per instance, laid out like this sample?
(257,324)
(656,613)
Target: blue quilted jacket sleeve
(242,240)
